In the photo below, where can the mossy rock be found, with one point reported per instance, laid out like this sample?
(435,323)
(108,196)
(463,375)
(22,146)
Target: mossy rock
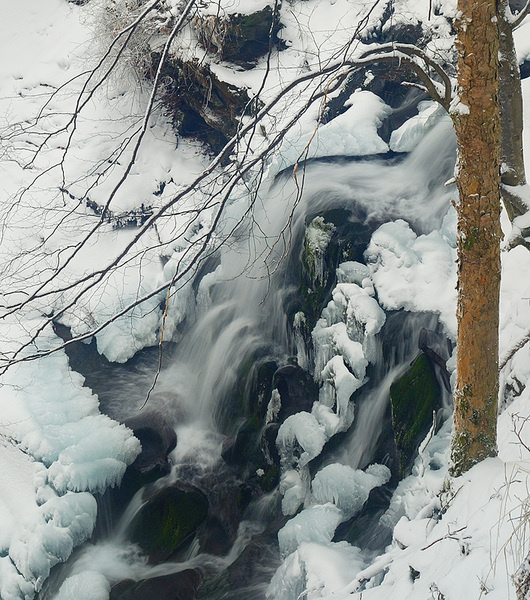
(270,479)
(349,237)
(167,521)
(239,39)
(413,398)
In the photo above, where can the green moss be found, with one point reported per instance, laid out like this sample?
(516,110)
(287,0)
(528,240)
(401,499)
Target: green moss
(413,398)
(167,520)
(271,479)
(471,238)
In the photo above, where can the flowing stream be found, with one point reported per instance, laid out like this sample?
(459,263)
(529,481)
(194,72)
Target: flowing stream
(244,321)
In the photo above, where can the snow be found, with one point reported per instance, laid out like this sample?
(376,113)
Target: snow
(414,272)
(353,133)
(459,540)
(406,137)
(522,41)
(315,570)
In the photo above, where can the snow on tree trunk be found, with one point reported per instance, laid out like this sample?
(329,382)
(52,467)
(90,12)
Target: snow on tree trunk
(477,125)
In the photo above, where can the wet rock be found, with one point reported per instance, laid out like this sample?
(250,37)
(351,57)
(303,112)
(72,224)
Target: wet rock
(157,436)
(240,448)
(178,586)
(215,537)
(297,390)
(167,521)
(256,563)
(413,397)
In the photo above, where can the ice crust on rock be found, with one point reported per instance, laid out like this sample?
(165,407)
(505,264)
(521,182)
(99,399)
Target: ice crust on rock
(347,488)
(300,439)
(344,344)
(344,340)
(62,523)
(67,450)
(314,524)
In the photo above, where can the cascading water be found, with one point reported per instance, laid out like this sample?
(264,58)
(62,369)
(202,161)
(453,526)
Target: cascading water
(244,321)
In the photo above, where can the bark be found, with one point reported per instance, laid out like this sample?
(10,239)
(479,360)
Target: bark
(510,104)
(477,124)
(511,110)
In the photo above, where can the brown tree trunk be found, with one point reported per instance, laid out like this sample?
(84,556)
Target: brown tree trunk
(477,125)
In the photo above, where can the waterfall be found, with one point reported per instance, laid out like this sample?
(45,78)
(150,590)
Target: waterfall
(244,318)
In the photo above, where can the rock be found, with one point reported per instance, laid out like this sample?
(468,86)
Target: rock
(215,537)
(157,436)
(413,397)
(239,39)
(167,521)
(524,68)
(297,390)
(178,586)
(202,106)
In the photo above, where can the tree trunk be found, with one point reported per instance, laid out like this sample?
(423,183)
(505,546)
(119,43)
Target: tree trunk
(511,109)
(477,125)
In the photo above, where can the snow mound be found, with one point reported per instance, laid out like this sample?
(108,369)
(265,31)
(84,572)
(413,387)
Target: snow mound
(315,570)
(89,585)
(353,133)
(417,273)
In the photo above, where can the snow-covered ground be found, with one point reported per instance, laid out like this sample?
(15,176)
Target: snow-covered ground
(462,540)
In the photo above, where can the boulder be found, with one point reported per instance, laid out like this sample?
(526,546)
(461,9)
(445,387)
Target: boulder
(157,436)
(201,105)
(167,521)
(413,397)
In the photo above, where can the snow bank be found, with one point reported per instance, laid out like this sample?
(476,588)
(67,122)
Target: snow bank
(353,133)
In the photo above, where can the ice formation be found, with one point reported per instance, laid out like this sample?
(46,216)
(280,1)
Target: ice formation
(67,450)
